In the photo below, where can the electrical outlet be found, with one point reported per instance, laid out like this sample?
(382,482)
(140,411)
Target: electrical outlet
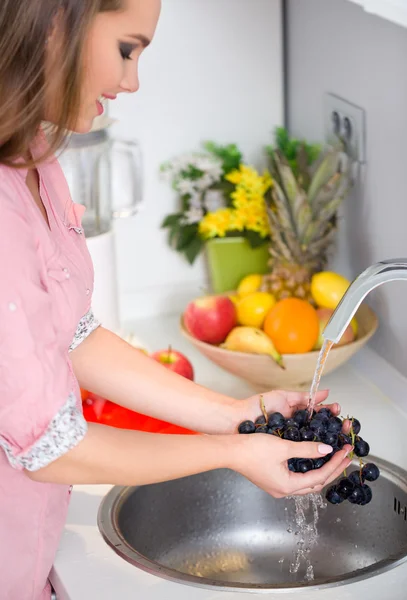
(346,122)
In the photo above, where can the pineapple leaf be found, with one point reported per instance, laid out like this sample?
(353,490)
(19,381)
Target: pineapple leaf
(330,209)
(326,192)
(300,209)
(328,167)
(277,237)
(303,220)
(319,247)
(304,177)
(288,181)
(284,214)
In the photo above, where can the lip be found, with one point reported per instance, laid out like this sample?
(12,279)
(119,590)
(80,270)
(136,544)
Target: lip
(109,96)
(99,107)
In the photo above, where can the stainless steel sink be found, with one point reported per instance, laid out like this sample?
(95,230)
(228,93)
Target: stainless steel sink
(218,531)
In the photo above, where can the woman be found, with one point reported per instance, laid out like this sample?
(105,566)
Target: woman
(57,59)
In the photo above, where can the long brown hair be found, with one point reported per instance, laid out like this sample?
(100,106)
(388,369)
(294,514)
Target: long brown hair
(25,26)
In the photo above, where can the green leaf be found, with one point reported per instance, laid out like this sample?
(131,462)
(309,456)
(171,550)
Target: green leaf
(193,249)
(186,235)
(171,220)
(174,232)
(254,238)
(289,147)
(230,155)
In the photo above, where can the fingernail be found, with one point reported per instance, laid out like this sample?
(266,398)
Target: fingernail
(324,449)
(338,408)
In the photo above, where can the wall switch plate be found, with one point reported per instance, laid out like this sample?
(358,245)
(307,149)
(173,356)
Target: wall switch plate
(346,122)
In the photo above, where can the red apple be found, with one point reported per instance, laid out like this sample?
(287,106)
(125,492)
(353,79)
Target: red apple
(174,361)
(210,318)
(324,314)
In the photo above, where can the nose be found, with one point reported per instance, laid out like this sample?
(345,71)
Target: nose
(130,83)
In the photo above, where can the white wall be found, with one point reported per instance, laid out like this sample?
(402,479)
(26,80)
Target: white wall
(214,71)
(367,66)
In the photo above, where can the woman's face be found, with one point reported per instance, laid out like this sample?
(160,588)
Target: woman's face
(112,51)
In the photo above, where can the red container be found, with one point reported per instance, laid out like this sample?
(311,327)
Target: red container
(99,410)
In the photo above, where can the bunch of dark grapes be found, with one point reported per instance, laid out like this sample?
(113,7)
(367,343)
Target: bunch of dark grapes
(326,428)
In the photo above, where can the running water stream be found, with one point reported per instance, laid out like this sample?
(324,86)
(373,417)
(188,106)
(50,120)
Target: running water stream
(307,507)
(322,358)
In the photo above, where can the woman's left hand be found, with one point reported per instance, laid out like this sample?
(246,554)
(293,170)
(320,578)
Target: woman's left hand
(278,401)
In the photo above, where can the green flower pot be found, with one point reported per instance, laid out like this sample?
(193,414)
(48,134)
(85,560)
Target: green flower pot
(231,259)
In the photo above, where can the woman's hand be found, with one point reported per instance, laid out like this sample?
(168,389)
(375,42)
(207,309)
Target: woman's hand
(262,458)
(278,401)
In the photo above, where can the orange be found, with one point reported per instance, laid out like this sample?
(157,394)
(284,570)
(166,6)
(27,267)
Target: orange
(293,326)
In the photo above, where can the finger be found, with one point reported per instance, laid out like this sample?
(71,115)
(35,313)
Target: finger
(339,471)
(307,449)
(301,481)
(347,424)
(301,399)
(318,488)
(334,408)
(306,491)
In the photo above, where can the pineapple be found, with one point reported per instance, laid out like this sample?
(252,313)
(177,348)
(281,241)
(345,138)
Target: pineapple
(302,214)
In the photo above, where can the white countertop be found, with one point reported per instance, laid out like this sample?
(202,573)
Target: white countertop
(367,388)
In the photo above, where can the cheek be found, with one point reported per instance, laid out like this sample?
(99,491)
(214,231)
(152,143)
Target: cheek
(104,72)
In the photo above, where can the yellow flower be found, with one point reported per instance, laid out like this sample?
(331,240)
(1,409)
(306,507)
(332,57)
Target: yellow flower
(239,221)
(234,177)
(249,207)
(239,197)
(216,224)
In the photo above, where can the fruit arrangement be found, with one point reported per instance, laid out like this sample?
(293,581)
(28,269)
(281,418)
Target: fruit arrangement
(252,320)
(323,427)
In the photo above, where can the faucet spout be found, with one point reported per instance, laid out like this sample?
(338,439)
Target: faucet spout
(372,277)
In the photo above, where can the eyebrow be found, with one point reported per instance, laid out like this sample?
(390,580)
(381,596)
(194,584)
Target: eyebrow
(141,38)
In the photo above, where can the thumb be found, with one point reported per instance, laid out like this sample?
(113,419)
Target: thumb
(308,450)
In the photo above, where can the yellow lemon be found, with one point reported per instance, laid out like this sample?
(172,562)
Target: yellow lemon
(249,284)
(355,326)
(235,298)
(327,288)
(253,309)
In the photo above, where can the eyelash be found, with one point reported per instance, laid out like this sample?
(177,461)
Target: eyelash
(126,51)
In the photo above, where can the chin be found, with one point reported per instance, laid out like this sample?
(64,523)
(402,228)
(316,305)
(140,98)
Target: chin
(83,126)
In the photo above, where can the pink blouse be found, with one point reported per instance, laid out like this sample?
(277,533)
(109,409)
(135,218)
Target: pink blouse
(46,284)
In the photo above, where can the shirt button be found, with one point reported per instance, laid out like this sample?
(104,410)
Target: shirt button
(12,307)
(67,274)
(87,291)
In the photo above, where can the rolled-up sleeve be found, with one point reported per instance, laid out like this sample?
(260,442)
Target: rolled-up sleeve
(86,325)
(40,417)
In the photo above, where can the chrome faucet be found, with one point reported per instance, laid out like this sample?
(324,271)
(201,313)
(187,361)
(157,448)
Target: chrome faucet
(373,276)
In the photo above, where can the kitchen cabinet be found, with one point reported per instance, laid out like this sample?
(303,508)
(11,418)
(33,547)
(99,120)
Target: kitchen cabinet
(392,10)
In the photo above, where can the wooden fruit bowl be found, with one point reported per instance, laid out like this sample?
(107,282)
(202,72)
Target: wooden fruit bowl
(261,371)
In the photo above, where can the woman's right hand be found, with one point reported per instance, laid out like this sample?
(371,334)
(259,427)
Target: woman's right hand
(262,458)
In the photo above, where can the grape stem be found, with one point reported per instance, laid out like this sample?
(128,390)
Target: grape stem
(263,408)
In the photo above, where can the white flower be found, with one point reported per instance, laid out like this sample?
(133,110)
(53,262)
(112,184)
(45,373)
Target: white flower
(209,165)
(185,186)
(193,215)
(195,200)
(214,200)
